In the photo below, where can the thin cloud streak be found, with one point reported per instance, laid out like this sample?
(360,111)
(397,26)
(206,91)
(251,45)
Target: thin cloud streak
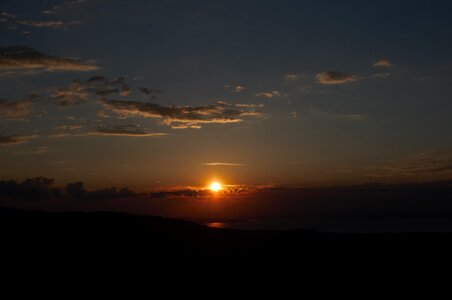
(222,164)
(15,139)
(335,78)
(180,117)
(26,58)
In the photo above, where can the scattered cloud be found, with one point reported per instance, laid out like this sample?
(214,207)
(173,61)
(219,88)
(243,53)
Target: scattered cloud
(239,89)
(292,77)
(383,63)
(26,58)
(16,23)
(14,139)
(15,110)
(150,92)
(179,117)
(79,91)
(335,77)
(5,15)
(59,8)
(75,93)
(271,94)
(8,20)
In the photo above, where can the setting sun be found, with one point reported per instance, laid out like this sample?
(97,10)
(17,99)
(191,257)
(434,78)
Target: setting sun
(215,187)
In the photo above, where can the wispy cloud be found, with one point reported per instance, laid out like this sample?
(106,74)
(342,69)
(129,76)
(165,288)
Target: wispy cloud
(15,23)
(42,24)
(271,94)
(117,130)
(292,77)
(423,163)
(125,130)
(335,77)
(341,116)
(15,110)
(222,164)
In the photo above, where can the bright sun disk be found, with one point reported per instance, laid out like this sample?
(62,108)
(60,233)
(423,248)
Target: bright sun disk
(215,187)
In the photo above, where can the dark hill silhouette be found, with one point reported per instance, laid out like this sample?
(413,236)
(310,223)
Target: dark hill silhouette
(108,233)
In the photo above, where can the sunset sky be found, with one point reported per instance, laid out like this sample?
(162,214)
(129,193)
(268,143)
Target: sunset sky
(169,93)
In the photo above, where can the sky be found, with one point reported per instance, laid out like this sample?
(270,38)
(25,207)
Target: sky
(174,94)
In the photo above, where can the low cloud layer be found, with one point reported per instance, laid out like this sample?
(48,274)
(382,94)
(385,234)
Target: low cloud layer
(42,188)
(181,116)
(370,201)
(26,58)
(77,190)
(335,77)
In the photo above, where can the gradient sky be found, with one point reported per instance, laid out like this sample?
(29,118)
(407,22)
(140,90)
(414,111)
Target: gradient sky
(175,93)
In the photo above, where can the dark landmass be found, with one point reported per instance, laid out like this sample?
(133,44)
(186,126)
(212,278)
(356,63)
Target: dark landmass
(106,233)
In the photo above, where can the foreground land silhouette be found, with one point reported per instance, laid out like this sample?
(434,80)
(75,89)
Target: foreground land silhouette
(102,233)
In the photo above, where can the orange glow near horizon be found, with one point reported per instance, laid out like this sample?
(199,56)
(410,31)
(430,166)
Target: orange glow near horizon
(216,225)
